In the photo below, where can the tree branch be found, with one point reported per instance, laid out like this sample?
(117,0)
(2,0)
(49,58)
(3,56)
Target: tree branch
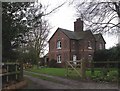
(54,9)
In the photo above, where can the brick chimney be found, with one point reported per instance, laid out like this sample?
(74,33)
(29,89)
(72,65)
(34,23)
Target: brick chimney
(78,25)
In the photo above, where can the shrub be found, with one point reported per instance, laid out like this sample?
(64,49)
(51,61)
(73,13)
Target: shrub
(52,63)
(111,54)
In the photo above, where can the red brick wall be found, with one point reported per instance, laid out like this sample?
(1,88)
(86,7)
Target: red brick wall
(80,48)
(65,46)
(84,51)
(98,44)
(73,48)
(78,25)
(70,47)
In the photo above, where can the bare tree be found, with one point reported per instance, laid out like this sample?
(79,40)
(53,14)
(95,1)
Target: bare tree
(100,16)
(38,27)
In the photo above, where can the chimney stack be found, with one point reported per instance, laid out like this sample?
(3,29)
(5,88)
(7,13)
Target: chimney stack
(78,25)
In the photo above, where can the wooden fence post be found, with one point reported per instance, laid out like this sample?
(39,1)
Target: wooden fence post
(66,65)
(21,70)
(83,69)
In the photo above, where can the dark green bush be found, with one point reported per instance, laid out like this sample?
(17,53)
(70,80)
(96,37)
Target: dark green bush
(52,63)
(112,54)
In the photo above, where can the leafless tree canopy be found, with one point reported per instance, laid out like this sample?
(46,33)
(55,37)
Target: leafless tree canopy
(38,28)
(100,16)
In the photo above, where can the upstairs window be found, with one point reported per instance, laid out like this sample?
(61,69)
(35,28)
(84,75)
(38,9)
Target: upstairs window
(58,44)
(89,45)
(59,59)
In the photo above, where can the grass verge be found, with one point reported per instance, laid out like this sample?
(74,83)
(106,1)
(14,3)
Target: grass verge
(99,74)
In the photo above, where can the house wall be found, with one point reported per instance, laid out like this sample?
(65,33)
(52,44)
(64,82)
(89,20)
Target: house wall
(70,47)
(74,49)
(98,44)
(84,51)
(65,46)
(80,48)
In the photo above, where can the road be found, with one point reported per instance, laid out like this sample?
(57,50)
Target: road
(37,83)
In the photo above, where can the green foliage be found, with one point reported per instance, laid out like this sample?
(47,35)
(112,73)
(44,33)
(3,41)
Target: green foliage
(29,56)
(50,71)
(99,75)
(52,63)
(115,52)
(111,54)
(12,25)
(106,76)
(101,55)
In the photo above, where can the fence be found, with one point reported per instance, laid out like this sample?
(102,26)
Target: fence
(75,65)
(11,73)
(105,65)
(81,64)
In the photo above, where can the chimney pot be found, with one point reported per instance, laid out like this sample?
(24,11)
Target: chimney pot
(78,25)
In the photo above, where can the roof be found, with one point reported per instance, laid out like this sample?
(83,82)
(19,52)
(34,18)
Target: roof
(98,37)
(79,35)
(74,35)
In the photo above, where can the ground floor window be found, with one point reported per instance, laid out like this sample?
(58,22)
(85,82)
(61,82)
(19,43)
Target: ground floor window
(58,58)
(74,59)
(90,57)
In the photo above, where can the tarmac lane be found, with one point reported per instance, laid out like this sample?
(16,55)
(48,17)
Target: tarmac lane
(65,84)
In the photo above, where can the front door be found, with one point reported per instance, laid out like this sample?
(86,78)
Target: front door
(74,59)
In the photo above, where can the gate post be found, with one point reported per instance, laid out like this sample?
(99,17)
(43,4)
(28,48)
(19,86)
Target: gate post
(83,69)
(21,70)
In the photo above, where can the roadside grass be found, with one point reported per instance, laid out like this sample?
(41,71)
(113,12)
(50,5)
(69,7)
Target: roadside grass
(99,73)
(50,71)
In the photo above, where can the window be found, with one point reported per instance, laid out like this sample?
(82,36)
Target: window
(73,42)
(89,57)
(59,59)
(89,45)
(100,46)
(58,44)
(74,59)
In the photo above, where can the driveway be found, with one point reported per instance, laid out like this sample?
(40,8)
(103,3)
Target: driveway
(37,83)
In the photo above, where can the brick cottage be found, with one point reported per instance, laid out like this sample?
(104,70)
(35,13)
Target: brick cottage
(66,45)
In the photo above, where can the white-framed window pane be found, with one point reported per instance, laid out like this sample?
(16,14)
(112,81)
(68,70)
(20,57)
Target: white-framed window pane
(89,45)
(59,59)
(89,57)
(59,44)
(74,59)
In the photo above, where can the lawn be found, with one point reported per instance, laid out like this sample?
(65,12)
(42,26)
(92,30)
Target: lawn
(99,73)
(51,71)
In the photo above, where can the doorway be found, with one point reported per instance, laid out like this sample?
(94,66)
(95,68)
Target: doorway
(74,59)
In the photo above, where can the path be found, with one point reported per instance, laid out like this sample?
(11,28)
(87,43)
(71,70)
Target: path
(66,83)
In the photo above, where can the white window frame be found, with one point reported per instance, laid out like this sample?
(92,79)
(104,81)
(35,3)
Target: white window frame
(90,57)
(89,45)
(58,44)
(59,59)
(74,59)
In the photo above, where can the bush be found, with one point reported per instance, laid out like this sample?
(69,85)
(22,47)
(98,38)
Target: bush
(111,54)
(52,63)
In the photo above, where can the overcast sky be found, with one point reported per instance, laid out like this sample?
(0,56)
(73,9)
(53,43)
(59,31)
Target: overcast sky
(65,18)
